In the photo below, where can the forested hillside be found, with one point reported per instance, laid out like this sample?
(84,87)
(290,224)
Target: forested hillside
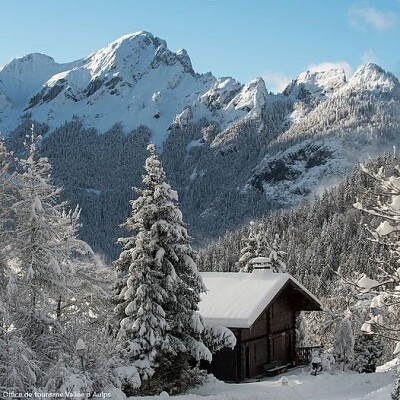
(326,245)
(319,236)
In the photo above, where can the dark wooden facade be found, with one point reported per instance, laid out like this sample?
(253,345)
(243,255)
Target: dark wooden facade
(270,340)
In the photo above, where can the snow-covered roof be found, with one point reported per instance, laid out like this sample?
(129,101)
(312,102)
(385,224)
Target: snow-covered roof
(236,300)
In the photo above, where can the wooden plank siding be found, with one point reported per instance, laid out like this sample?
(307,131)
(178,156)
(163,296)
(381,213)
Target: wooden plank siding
(271,339)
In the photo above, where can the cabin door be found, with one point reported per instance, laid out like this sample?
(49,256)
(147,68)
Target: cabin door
(282,348)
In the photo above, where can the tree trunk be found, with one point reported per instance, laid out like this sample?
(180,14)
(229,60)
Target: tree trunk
(58,312)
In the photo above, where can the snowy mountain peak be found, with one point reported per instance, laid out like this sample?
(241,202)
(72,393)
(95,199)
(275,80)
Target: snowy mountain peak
(184,59)
(28,63)
(22,77)
(136,53)
(135,80)
(129,53)
(372,77)
(221,93)
(252,97)
(317,84)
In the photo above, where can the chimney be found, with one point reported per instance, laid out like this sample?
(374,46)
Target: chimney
(263,263)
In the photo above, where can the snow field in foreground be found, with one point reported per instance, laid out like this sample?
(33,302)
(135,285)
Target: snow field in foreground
(301,386)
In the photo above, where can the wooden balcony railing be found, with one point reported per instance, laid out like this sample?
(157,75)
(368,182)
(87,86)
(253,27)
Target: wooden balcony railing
(303,354)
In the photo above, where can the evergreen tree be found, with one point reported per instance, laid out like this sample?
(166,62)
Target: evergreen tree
(249,250)
(161,329)
(5,207)
(384,204)
(255,245)
(368,349)
(18,366)
(344,342)
(276,256)
(56,276)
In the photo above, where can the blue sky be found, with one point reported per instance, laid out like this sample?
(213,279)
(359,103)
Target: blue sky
(240,38)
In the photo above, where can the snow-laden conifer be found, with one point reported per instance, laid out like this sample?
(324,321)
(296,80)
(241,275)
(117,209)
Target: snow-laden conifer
(161,328)
(277,256)
(256,245)
(344,342)
(56,277)
(5,206)
(384,204)
(252,247)
(18,364)
(368,349)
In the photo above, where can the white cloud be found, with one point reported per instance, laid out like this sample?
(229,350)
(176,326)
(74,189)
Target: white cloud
(275,81)
(368,57)
(326,66)
(362,15)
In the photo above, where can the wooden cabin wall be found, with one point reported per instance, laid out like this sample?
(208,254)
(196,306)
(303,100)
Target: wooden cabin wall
(282,314)
(271,339)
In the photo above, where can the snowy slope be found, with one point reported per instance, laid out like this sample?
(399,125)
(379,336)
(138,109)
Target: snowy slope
(301,386)
(22,78)
(305,168)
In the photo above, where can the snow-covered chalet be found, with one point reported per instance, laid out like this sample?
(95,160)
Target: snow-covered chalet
(260,308)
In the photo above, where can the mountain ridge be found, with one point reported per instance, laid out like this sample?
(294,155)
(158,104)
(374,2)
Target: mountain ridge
(233,151)
(136,75)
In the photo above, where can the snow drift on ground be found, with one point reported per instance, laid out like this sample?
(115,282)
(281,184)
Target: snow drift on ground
(301,386)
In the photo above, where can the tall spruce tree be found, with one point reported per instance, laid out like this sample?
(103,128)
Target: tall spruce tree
(344,342)
(18,367)
(159,286)
(256,244)
(5,198)
(55,273)
(276,256)
(250,249)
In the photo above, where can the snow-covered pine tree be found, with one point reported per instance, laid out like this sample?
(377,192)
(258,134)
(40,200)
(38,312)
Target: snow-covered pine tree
(368,349)
(256,245)
(50,262)
(18,367)
(276,256)
(5,206)
(7,195)
(384,204)
(344,342)
(162,328)
(248,250)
